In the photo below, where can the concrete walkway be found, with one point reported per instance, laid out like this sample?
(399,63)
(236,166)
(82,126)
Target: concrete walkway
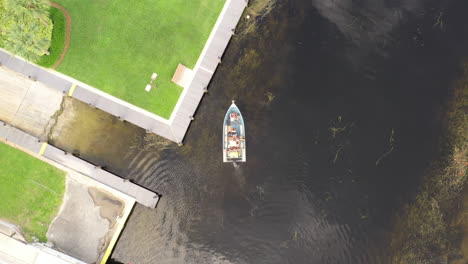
(11,230)
(176,127)
(13,251)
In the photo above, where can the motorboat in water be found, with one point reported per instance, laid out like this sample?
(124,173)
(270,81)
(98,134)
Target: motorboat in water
(234,136)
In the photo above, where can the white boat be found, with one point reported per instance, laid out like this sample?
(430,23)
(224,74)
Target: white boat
(234,135)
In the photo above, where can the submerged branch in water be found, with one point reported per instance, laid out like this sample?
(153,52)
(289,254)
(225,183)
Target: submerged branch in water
(439,23)
(383,156)
(336,129)
(392,146)
(337,154)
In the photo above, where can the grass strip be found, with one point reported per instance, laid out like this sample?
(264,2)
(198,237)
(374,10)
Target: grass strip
(58,38)
(31,192)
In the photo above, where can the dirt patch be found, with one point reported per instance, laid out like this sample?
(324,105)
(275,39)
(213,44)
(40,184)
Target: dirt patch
(110,207)
(78,228)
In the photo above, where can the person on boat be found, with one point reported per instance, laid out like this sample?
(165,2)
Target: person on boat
(233,132)
(232,116)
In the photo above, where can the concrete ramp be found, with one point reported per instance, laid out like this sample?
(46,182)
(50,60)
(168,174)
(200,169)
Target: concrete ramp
(26,104)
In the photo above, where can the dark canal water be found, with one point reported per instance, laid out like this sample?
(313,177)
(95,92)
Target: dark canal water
(342,103)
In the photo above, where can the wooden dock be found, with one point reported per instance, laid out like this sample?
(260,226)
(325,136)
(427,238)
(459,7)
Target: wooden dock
(206,67)
(176,127)
(49,152)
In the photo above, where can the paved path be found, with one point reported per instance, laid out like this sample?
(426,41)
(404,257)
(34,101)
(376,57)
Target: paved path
(35,72)
(51,153)
(176,127)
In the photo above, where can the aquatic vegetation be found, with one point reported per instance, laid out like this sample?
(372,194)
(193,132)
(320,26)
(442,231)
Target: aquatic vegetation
(340,131)
(152,141)
(256,12)
(440,21)
(285,244)
(336,130)
(336,127)
(328,196)
(363,214)
(337,153)
(270,97)
(423,234)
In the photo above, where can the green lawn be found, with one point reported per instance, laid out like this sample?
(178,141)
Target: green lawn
(117,45)
(31,191)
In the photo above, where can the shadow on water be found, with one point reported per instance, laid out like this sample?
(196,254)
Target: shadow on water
(341,103)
